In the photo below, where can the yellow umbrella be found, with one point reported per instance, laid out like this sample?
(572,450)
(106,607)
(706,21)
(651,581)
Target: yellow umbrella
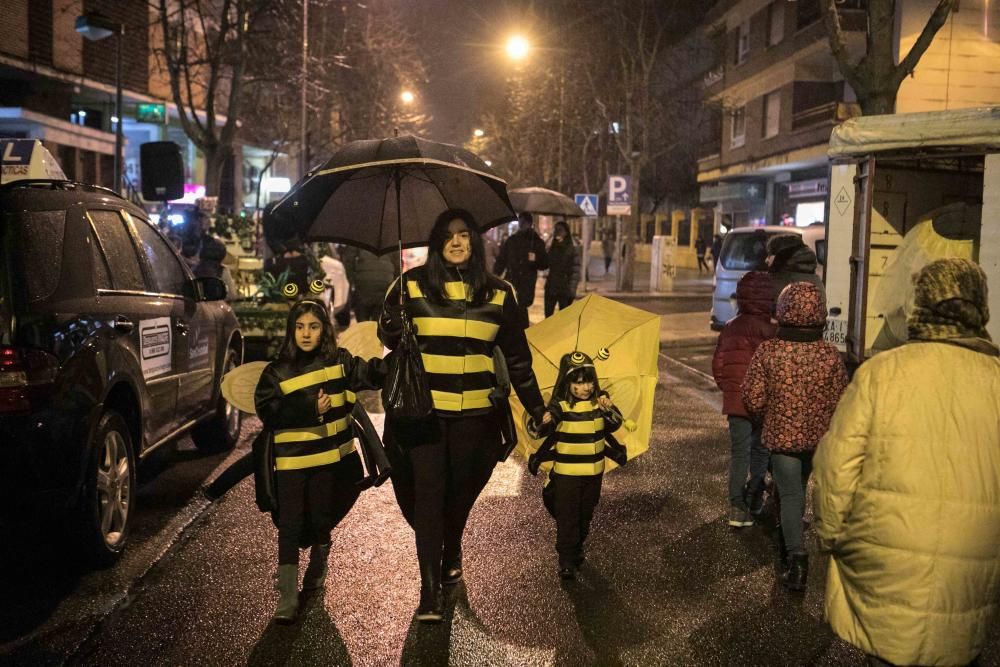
(239,384)
(629,374)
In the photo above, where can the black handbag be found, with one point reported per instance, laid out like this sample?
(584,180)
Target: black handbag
(406,394)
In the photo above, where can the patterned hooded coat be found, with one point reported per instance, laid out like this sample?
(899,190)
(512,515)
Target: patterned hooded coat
(907,493)
(795,379)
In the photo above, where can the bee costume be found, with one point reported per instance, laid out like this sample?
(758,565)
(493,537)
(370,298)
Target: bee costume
(579,438)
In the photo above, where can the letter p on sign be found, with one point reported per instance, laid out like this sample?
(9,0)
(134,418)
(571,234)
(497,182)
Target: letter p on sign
(619,195)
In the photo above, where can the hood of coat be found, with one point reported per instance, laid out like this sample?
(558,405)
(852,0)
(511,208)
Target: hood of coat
(801,305)
(950,301)
(800,259)
(753,293)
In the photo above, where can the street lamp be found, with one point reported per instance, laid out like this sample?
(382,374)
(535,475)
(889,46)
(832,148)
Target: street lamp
(517,47)
(95,27)
(407,97)
(477,132)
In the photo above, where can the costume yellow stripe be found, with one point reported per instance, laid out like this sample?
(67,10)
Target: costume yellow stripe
(578,468)
(309,434)
(313,460)
(581,427)
(580,448)
(312,378)
(455,290)
(470,363)
(467,400)
(456,328)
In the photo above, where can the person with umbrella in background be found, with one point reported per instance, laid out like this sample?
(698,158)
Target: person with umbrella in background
(521,258)
(564,270)
(462,313)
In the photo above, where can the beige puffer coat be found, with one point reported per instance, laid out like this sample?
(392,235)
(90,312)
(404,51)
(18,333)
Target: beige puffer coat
(908,498)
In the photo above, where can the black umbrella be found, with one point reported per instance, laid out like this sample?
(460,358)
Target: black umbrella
(385,194)
(546,202)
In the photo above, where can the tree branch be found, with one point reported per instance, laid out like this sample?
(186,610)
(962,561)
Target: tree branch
(934,23)
(838,45)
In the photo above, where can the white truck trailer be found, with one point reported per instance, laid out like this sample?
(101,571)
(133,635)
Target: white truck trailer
(906,189)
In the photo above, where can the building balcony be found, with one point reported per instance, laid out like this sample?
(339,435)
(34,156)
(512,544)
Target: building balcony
(714,76)
(827,113)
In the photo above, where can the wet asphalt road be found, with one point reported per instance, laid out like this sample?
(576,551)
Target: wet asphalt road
(666,581)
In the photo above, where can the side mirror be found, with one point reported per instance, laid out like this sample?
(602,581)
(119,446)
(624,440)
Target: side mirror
(212,289)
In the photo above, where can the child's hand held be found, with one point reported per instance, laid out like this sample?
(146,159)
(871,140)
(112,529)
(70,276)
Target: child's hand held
(323,402)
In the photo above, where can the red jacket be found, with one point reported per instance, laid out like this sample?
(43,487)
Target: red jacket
(740,338)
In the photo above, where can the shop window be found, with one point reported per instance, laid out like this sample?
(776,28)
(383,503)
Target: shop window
(684,233)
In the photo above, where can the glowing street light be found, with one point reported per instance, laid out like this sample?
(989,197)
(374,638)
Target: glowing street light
(477,132)
(517,47)
(407,97)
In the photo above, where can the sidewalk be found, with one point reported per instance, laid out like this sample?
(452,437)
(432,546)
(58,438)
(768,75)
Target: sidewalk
(676,329)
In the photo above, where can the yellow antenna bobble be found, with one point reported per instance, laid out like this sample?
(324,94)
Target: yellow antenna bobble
(317,287)
(577,358)
(630,425)
(603,354)
(290,290)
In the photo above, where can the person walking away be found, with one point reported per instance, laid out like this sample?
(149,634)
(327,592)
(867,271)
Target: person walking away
(790,260)
(608,250)
(794,382)
(370,276)
(738,341)
(305,398)
(464,312)
(907,496)
(521,258)
(700,247)
(564,270)
(716,250)
(210,265)
(578,423)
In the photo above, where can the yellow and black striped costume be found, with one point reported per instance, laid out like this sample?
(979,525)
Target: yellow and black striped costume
(456,340)
(286,399)
(579,437)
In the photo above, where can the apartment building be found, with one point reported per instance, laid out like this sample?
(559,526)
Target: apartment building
(778,92)
(60,88)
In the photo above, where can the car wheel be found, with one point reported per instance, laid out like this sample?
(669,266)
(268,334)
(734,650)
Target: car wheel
(221,431)
(109,492)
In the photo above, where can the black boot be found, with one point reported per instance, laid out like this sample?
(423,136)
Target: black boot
(452,573)
(315,576)
(797,574)
(431,609)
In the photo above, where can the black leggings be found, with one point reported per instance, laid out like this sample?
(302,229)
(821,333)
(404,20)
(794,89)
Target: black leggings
(314,499)
(571,500)
(437,483)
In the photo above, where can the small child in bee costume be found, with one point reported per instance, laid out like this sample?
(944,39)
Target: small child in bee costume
(305,398)
(579,422)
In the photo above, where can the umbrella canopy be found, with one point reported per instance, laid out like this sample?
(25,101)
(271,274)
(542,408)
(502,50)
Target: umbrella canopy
(375,193)
(629,374)
(546,202)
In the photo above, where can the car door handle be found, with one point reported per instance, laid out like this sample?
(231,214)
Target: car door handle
(181,326)
(123,324)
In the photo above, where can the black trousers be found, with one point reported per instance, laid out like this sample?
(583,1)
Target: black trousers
(314,500)
(571,500)
(552,300)
(437,483)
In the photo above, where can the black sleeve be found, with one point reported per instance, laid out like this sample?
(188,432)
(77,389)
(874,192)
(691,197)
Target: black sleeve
(500,265)
(613,419)
(363,374)
(277,410)
(514,345)
(390,322)
(541,257)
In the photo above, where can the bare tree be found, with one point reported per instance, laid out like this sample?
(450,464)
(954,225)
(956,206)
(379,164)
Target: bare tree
(204,50)
(876,77)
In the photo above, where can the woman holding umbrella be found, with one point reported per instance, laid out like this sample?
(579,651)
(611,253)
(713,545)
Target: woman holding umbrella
(461,313)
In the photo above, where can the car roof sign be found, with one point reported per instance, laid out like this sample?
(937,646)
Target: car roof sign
(22,159)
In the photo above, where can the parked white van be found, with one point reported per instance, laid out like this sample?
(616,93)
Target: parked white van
(907,189)
(745,249)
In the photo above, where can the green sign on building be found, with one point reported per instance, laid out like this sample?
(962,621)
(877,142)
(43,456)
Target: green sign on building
(151,113)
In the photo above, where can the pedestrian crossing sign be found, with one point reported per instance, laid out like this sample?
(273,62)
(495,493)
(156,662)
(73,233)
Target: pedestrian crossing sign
(588,203)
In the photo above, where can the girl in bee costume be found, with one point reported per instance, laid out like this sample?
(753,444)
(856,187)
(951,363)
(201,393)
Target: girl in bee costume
(579,422)
(305,398)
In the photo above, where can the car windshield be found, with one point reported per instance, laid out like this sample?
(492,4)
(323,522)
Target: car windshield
(744,252)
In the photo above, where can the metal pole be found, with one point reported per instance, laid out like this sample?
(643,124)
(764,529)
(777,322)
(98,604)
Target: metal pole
(119,136)
(303,158)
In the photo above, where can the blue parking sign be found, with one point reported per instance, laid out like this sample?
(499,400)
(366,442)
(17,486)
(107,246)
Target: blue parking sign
(619,195)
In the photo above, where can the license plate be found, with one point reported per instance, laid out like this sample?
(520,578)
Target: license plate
(835,331)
